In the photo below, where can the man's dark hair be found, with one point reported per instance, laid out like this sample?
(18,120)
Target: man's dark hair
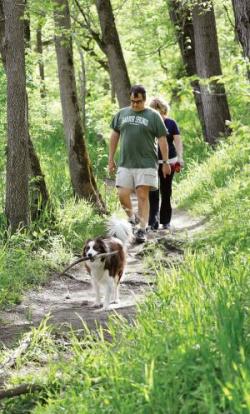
(138,89)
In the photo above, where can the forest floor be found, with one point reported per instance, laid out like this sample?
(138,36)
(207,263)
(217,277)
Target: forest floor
(68,300)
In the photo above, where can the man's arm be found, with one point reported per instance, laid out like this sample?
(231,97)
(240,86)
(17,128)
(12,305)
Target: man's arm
(113,142)
(166,169)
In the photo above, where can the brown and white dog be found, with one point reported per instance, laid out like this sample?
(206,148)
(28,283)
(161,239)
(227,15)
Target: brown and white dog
(107,271)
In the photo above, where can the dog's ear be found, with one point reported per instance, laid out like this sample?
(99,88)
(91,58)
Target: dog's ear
(101,245)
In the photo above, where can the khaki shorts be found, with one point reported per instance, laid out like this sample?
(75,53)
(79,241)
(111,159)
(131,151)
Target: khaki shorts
(134,177)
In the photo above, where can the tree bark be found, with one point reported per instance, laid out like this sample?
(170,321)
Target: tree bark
(82,78)
(213,95)
(2,35)
(242,23)
(17,191)
(39,49)
(82,177)
(242,26)
(181,17)
(39,192)
(112,47)
(39,195)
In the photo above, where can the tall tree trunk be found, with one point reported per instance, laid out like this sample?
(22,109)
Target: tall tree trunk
(17,192)
(213,96)
(112,47)
(242,26)
(39,49)
(82,177)
(82,78)
(39,193)
(181,17)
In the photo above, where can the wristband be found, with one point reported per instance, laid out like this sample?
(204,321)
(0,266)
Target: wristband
(165,162)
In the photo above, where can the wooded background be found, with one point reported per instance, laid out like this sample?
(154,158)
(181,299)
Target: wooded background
(72,63)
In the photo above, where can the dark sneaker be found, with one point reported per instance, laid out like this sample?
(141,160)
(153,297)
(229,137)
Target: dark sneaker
(155,226)
(166,226)
(140,236)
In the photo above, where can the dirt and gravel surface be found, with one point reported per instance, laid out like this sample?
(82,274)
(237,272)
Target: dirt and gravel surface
(69,300)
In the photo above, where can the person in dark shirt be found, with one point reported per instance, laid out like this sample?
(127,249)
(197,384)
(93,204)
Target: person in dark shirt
(162,213)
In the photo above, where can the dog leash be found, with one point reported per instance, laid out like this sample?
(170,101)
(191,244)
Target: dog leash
(85,258)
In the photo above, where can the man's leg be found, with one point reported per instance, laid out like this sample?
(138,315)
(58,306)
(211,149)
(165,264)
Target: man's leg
(125,200)
(125,186)
(142,193)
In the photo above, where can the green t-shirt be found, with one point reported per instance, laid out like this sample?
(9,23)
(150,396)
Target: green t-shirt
(138,133)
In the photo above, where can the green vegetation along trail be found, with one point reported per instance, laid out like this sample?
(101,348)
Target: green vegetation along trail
(68,300)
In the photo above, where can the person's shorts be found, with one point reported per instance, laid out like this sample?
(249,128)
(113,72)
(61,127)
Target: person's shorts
(134,177)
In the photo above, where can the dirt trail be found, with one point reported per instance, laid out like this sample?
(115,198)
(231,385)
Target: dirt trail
(69,301)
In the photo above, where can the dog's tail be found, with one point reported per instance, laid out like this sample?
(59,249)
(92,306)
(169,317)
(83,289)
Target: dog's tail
(120,228)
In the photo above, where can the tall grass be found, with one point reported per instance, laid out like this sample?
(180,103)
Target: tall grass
(207,182)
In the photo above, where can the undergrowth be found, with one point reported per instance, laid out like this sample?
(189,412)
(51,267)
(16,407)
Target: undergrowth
(207,183)
(28,257)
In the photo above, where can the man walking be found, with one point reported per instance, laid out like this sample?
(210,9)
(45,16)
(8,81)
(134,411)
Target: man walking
(137,128)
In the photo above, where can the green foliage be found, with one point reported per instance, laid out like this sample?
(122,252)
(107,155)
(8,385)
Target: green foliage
(18,267)
(98,153)
(227,167)
(53,157)
(27,256)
